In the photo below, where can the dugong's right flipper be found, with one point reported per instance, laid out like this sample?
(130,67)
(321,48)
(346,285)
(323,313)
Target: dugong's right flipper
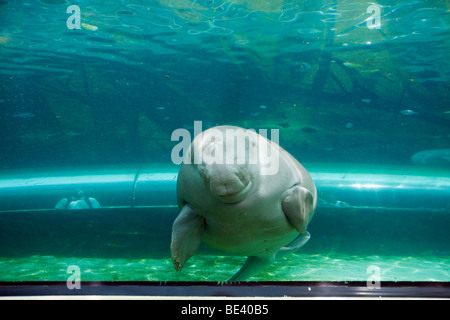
(186,236)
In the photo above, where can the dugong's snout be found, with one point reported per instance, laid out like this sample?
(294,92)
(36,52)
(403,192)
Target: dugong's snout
(228,183)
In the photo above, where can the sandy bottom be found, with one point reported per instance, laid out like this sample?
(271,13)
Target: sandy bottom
(297,267)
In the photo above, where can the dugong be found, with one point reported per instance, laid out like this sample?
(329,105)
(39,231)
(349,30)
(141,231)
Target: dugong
(440,157)
(243,194)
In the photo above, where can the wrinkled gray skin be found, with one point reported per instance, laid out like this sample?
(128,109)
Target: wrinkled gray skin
(239,209)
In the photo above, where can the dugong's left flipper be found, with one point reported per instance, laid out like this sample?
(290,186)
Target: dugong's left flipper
(298,206)
(254,264)
(294,246)
(186,236)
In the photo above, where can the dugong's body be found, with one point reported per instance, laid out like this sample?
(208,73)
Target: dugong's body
(241,206)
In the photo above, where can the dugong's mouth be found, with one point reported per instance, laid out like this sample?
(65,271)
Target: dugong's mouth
(238,196)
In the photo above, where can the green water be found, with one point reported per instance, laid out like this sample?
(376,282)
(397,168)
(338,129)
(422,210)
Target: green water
(134,245)
(297,267)
(114,91)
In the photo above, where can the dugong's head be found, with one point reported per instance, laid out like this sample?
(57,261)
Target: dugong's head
(223,158)
(422,157)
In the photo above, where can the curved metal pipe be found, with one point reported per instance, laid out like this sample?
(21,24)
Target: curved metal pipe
(346,186)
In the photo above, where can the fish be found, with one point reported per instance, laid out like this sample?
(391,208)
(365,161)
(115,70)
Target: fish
(352,65)
(24,115)
(89,27)
(439,157)
(310,129)
(408,112)
(284,124)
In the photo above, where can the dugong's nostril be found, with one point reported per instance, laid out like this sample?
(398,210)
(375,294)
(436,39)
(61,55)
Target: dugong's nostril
(244,176)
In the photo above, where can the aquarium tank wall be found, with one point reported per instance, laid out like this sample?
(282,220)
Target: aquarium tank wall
(93,94)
